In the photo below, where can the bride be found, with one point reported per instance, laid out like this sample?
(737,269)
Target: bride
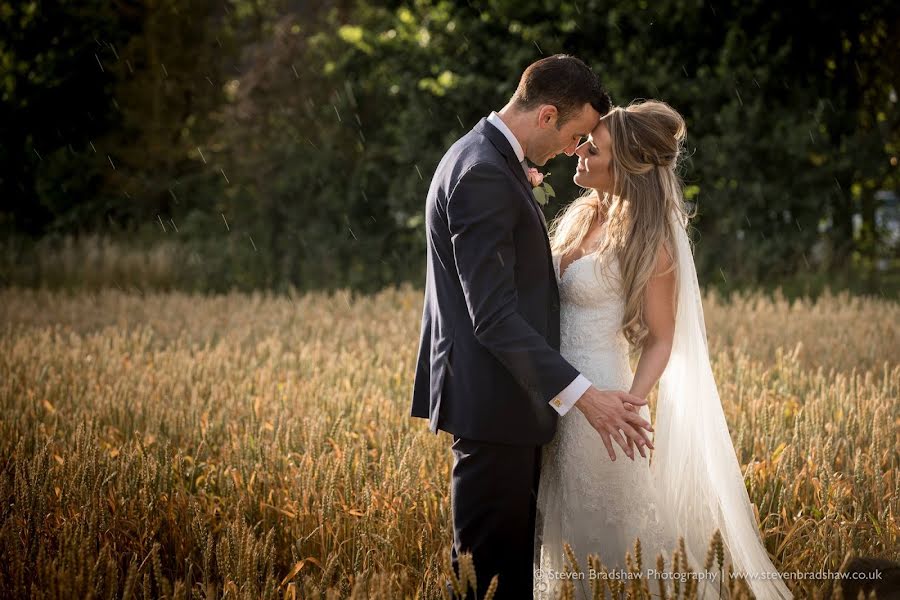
(627,281)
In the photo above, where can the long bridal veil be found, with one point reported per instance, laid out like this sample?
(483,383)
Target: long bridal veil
(694,466)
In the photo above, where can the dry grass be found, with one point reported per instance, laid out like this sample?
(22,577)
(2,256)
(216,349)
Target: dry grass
(259,446)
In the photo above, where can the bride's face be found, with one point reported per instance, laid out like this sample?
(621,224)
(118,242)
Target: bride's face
(594,159)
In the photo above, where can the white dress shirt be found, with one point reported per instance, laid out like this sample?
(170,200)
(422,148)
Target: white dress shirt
(567,398)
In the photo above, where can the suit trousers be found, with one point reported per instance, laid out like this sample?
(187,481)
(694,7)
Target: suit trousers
(494,498)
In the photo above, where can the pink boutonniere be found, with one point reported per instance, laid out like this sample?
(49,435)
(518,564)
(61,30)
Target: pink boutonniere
(542,191)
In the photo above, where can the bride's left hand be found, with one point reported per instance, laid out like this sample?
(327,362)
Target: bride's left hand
(634,409)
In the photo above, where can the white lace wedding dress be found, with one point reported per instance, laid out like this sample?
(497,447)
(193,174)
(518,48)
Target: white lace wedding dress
(694,484)
(595,504)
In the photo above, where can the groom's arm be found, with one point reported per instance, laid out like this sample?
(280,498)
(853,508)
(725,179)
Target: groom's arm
(481,213)
(569,396)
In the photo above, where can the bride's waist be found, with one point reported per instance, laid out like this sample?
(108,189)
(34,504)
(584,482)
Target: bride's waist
(596,358)
(591,343)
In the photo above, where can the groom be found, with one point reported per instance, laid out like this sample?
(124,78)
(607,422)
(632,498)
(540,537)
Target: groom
(489,370)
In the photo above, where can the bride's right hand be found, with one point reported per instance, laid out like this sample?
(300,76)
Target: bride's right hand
(606,411)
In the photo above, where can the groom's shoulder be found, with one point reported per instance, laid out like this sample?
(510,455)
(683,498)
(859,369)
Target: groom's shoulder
(471,149)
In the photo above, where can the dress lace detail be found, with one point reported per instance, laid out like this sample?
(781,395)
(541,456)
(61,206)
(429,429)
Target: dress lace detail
(597,505)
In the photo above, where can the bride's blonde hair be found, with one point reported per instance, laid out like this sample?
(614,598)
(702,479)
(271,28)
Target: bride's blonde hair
(647,142)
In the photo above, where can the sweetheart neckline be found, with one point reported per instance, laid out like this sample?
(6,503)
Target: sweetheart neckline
(562,274)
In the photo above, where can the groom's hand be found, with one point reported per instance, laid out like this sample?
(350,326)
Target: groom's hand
(607,412)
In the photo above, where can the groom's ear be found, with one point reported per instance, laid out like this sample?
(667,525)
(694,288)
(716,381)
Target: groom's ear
(547,116)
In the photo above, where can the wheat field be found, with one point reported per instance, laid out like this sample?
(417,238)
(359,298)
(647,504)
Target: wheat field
(258,446)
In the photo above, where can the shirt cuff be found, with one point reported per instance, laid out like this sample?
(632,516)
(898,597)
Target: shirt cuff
(567,398)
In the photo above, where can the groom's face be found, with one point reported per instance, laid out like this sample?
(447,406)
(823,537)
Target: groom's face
(549,141)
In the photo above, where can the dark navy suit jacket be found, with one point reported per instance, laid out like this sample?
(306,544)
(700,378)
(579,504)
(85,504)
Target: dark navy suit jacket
(488,360)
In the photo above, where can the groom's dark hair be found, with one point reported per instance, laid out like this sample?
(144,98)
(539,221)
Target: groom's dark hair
(563,81)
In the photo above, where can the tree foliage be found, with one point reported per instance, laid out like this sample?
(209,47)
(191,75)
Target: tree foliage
(293,143)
